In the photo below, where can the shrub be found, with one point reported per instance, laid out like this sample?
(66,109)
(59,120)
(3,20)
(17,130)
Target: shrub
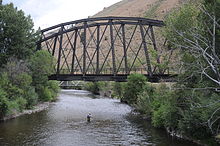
(21,102)
(134,87)
(145,100)
(118,89)
(31,97)
(44,94)
(165,109)
(23,81)
(3,103)
(41,65)
(54,88)
(93,87)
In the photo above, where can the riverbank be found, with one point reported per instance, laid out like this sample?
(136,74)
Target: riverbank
(36,108)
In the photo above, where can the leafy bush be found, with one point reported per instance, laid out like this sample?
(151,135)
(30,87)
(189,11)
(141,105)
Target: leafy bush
(134,87)
(93,87)
(165,110)
(13,108)
(31,97)
(41,65)
(44,94)
(24,74)
(199,118)
(54,88)
(21,102)
(3,103)
(145,100)
(118,89)
(23,81)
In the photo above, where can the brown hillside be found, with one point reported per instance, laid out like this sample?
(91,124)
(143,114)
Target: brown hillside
(156,9)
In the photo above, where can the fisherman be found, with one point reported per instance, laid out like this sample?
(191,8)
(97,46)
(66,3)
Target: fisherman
(89,117)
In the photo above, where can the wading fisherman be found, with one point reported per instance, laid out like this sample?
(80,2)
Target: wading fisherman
(89,117)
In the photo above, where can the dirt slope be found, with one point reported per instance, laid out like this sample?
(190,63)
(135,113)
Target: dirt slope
(156,9)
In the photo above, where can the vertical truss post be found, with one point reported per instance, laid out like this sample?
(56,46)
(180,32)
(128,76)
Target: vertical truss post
(154,42)
(145,49)
(97,49)
(84,49)
(112,47)
(60,49)
(125,48)
(74,51)
(39,43)
(54,45)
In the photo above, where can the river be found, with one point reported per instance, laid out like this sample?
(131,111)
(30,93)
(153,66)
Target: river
(64,124)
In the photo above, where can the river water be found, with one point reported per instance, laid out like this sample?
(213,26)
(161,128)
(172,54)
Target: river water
(64,124)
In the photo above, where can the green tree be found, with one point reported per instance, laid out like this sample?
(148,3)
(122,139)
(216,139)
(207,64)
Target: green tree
(195,31)
(134,87)
(41,66)
(17,36)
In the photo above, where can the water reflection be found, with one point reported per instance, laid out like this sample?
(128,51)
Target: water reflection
(64,123)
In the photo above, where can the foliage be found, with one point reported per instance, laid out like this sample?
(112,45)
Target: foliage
(41,65)
(198,40)
(54,88)
(21,102)
(3,103)
(144,100)
(118,89)
(198,116)
(134,87)
(188,14)
(31,97)
(164,108)
(93,87)
(18,91)
(23,73)
(17,36)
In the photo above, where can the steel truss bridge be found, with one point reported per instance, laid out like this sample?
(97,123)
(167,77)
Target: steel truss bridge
(104,49)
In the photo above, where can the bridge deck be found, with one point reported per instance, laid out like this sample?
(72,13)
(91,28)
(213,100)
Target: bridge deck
(109,77)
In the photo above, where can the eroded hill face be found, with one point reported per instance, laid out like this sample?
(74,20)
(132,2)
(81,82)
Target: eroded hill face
(156,9)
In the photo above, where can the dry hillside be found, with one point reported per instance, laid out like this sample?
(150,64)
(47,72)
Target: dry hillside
(156,9)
